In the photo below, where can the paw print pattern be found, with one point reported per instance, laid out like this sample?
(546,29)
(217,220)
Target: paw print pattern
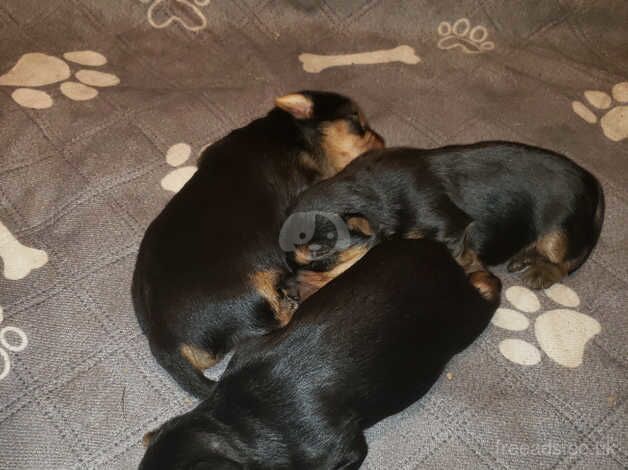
(562,334)
(35,69)
(17,344)
(162,13)
(470,40)
(176,156)
(614,122)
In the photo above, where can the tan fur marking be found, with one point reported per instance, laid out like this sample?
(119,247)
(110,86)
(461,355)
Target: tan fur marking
(302,255)
(341,145)
(198,357)
(487,285)
(360,224)
(348,258)
(265,283)
(553,246)
(310,163)
(311,281)
(413,234)
(148,437)
(285,312)
(470,262)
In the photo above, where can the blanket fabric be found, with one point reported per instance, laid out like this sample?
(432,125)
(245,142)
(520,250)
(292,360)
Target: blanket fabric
(104,107)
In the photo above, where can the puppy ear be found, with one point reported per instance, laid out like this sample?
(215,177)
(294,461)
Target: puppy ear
(360,224)
(297,104)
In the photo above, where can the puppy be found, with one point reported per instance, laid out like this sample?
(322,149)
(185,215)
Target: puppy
(209,270)
(489,203)
(365,347)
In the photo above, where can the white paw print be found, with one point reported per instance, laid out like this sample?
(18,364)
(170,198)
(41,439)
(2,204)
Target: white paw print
(470,40)
(614,123)
(562,334)
(176,156)
(35,69)
(12,346)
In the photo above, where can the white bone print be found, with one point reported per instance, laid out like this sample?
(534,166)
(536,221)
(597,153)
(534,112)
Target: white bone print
(314,63)
(18,260)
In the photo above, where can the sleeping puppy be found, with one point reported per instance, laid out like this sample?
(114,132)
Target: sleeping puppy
(489,203)
(366,346)
(209,270)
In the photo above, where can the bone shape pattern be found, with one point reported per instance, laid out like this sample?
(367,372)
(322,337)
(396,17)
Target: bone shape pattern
(18,260)
(314,63)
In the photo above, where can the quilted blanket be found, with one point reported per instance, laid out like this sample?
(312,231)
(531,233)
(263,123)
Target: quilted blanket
(104,108)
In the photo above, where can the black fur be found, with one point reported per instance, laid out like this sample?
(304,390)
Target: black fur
(494,198)
(364,347)
(191,282)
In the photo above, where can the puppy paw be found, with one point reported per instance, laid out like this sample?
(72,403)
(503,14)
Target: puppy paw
(541,275)
(488,285)
(287,307)
(519,263)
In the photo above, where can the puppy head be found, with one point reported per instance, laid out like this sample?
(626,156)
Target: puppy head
(315,238)
(333,125)
(321,246)
(190,442)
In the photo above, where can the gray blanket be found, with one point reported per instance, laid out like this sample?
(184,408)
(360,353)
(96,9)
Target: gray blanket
(104,107)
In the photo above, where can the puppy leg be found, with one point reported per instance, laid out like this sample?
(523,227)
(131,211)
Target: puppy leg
(470,261)
(197,357)
(186,364)
(467,256)
(455,228)
(486,283)
(547,263)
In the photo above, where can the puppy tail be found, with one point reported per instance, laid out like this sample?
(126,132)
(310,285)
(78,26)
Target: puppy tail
(189,379)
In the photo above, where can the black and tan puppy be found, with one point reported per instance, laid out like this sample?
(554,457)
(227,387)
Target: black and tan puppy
(489,203)
(366,346)
(209,269)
